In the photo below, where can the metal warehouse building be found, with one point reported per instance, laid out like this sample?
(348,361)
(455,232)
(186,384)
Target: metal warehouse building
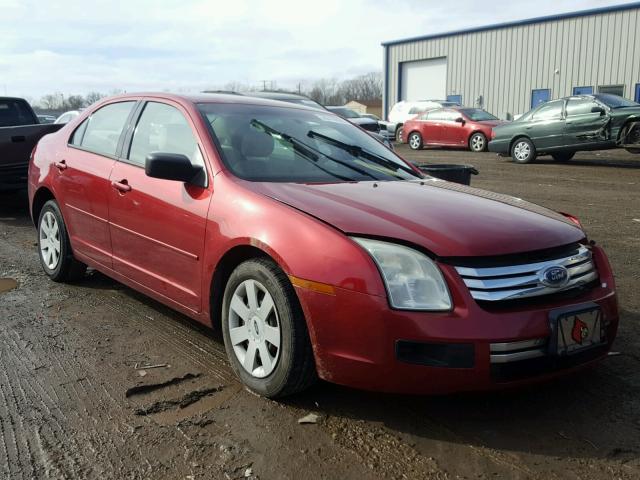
(508,68)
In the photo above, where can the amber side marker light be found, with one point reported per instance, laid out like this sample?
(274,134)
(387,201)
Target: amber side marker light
(313,286)
(572,218)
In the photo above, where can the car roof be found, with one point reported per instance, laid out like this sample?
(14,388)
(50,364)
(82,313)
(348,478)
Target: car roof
(196,98)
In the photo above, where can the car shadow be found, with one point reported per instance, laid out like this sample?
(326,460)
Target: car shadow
(14,207)
(590,414)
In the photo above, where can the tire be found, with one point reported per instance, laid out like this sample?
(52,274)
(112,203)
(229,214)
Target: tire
(54,247)
(523,151)
(478,142)
(415,141)
(633,150)
(288,367)
(562,156)
(399,133)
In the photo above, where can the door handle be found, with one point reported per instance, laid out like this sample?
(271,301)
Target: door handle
(121,186)
(61,165)
(18,138)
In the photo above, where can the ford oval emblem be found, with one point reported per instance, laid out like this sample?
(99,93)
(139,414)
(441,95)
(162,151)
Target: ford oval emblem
(555,276)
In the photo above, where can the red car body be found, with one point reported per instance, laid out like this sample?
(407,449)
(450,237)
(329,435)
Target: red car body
(174,242)
(450,127)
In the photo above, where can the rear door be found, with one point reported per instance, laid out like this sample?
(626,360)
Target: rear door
(584,127)
(82,175)
(547,124)
(158,226)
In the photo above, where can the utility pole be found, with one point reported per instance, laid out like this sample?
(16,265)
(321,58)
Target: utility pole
(264,85)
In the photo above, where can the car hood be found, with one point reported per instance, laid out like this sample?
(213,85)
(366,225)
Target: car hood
(446,218)
(362,121)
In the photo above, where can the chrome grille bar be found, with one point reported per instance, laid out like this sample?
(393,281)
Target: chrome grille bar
(521,281)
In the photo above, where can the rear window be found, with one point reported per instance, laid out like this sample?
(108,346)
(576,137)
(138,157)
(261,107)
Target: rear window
(15,113)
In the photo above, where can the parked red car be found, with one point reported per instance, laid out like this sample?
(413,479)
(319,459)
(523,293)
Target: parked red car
(316,250)
(451,127)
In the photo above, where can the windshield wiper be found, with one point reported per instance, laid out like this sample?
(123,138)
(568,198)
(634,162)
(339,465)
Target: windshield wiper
(358,151)
(310,153)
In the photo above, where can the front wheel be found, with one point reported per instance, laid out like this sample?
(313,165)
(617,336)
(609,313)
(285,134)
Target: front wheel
(399,134)
(54,246)
(562,156)
(415,141)
(478,142)
(523,151)
(265,332)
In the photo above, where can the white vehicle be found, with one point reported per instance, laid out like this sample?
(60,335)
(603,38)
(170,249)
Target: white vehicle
(404,110)
(66,117)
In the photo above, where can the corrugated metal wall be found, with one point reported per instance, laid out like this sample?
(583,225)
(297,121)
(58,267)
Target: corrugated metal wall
(505,64)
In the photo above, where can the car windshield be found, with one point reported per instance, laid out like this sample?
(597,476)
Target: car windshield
(344,112)
(614,101)
(279,144)
(477,114)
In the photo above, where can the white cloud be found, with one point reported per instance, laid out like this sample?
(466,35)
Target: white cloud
(74,46)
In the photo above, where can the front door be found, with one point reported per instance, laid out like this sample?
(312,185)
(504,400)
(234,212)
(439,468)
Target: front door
(453,132)
(83,175)
(158,226)
(584,128)
(546,127)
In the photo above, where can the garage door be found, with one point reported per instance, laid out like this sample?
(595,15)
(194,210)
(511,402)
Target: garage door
(424,79)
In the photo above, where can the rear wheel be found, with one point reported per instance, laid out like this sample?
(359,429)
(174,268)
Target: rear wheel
(415,141)
(54,247)
(478,142)
(523,151)
(563,156)
(265,332)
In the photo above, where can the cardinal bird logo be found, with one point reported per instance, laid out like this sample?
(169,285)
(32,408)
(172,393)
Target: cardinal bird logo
(580,331)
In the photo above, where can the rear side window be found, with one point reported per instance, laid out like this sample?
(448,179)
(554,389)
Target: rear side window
(104,127)
(163,128)
(549,111)
(15,113)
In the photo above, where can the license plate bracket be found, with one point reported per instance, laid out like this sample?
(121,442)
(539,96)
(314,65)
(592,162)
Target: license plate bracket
(576,329)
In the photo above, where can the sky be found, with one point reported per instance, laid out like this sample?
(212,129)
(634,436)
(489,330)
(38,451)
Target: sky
(75,47)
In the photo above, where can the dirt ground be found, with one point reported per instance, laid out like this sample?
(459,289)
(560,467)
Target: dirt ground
(76,400)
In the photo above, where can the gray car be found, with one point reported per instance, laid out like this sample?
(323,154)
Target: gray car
(561,128)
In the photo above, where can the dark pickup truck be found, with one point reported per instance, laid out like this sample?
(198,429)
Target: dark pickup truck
(19,133)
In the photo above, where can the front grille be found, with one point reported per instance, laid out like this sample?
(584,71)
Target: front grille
(516,281)
(372,127)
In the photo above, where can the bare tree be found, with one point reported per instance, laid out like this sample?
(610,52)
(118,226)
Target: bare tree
(93,97)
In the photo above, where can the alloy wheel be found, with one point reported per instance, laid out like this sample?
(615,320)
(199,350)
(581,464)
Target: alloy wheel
(477,143)
(50,243)
(254,328)
(522,151)
(414,141)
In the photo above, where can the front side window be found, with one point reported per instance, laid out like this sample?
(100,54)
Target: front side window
(549,111)
(104,127)
(580,106)
(436,115)
(163,128)
(275,144)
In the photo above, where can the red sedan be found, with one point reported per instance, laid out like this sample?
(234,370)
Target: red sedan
(451,127)
(316,250)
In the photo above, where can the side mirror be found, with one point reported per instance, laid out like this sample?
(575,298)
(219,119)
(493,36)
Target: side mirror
(460,120)
(174,166)
(599,110)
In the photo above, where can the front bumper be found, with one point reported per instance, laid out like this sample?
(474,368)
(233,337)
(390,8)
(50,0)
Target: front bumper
(358,339)
(500,147)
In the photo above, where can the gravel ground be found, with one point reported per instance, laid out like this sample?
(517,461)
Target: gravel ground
(78,401)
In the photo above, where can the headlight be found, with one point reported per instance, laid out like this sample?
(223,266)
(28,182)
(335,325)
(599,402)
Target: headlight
(413,280)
